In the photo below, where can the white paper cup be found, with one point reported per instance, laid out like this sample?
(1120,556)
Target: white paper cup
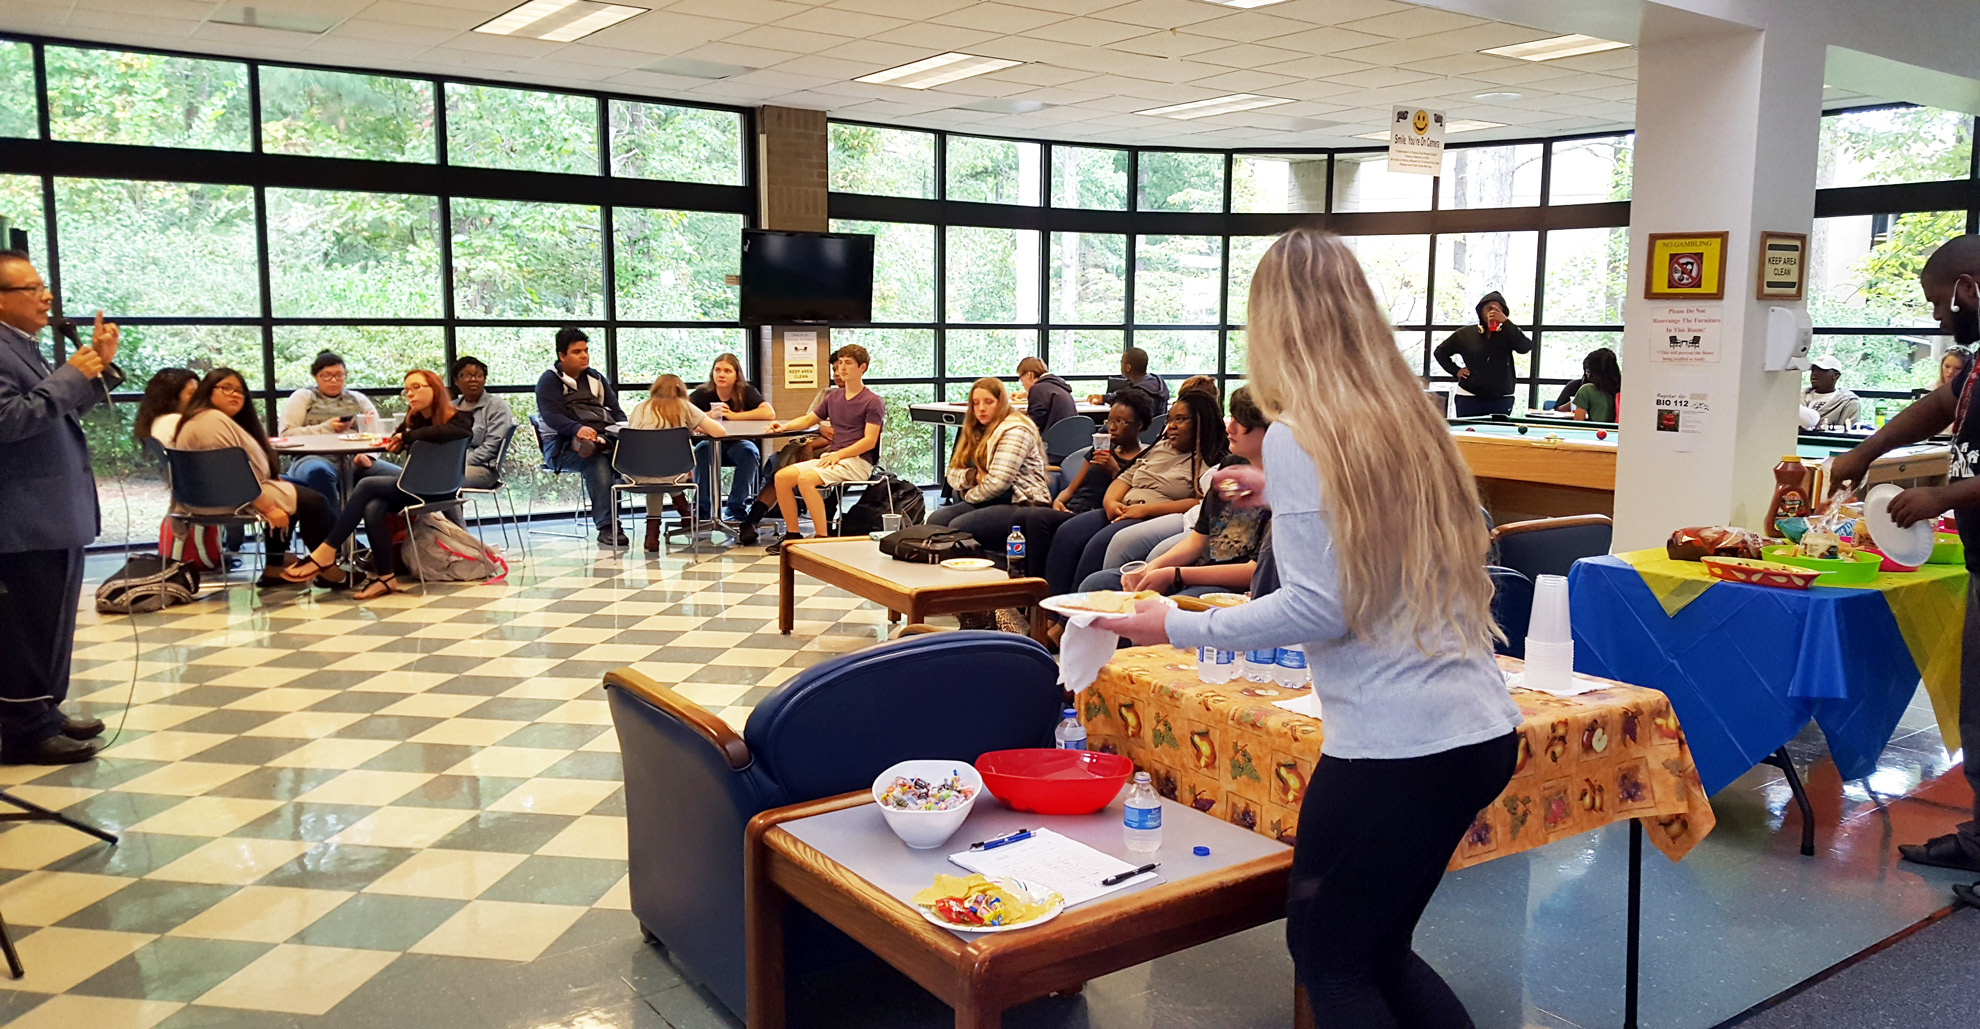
(890,523)
(1549,620)
(1102,442)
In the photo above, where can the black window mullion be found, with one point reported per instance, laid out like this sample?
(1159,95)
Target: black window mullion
(265,278)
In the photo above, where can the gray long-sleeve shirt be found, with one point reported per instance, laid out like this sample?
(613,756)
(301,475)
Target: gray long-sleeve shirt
(492,423)
(1379,698)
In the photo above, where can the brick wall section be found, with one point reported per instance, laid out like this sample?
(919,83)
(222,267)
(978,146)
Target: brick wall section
(792,154)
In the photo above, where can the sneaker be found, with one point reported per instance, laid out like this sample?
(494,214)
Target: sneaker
(778,546)
(1941,852)
(613,538)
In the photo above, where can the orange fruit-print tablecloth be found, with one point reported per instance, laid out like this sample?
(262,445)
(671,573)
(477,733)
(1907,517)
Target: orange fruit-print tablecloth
(1584,762)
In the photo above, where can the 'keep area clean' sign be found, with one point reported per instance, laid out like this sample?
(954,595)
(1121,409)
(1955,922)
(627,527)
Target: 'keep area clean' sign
(1416,141)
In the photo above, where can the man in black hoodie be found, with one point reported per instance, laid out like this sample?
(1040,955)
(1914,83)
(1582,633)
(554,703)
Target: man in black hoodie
(1047,398)
(1485,379)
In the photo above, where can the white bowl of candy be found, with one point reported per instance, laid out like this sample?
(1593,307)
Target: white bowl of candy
(926,801)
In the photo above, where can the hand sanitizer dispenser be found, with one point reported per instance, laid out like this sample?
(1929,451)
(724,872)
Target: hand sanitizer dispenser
(1789,332)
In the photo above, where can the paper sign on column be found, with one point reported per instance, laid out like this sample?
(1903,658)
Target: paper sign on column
(1066,866)
(800,360)
(1683,409)
(1416,141)
(1685,334)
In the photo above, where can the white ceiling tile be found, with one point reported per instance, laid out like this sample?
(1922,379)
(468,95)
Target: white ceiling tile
(331,49)
(663,85)
(327,8)
(876,55)
(731,53)
(1458,64)
(1248,27)
(514,46)
(1086,32)
(1510,72)
(1066,7)
(1415,21)
(666,32)
(1334,12)
(808,99)
(782,79)
(364,28)
(1248,55)
(1169,44)
(1316,67)
(836,22)
(489,7)
(1240,81)
(247,39)
(773,37)
(1327,41)
(1163,14)
(1061,96)
(826,68)
(760,12)
(906,10)
(1040,75)
(998,18)
(1606,61)
(399,13)
(1380,78)
(935,39)
(194,10)
(131,26)
(603,56)
(733,91)
(1314,89)
(551,69)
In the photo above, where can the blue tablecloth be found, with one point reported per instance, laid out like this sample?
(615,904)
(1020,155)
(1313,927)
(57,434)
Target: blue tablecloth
(1747,666)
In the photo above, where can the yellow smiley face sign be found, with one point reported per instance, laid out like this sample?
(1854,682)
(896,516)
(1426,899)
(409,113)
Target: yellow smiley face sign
(1421,122)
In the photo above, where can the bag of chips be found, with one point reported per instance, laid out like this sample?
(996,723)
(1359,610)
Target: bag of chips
(1713,541)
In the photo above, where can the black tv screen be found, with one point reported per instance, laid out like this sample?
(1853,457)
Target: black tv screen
(802,277)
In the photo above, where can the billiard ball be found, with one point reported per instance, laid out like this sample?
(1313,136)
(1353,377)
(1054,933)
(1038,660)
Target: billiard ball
(1522,430)
(1469,429)
(1601,434)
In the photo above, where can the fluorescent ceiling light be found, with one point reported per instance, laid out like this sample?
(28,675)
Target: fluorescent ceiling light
(1216,105)
(279,20)
(1498,96)
(999,105)
(558,21)
(689,68)
(1451,125)
(1244,4)
(1555,47)
(938,70)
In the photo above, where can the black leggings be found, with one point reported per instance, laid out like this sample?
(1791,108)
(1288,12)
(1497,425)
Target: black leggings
(312,518)
(375,499)
(1374,837)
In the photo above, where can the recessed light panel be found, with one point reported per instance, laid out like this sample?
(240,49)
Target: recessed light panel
(1245,4)
(1498,96)
(938,70)
(689,68)
(558,21)
(1216,105)
(1555,47)
(279,20)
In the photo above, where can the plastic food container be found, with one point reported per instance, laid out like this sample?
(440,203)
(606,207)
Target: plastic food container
(1861,567)
(1760,573)
(1054,782)
(926,830)
(1947,550)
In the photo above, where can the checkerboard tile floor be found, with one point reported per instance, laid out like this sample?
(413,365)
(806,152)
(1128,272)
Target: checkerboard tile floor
(401,812)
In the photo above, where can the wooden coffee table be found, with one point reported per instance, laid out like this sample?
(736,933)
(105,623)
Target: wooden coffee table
(838,858)
(855,564)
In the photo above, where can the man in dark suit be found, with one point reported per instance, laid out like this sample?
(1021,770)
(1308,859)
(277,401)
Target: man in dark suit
(48,514)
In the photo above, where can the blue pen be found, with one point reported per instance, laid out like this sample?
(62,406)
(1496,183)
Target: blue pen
(992,844)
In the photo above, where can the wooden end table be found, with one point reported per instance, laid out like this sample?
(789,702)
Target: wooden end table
(838,858)
(855,564)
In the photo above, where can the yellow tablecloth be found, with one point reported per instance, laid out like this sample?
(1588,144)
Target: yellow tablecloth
(1585,761)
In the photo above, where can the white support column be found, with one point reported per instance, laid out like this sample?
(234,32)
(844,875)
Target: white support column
(1728,121)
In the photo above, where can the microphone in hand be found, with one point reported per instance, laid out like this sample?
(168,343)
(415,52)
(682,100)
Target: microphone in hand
(111,375)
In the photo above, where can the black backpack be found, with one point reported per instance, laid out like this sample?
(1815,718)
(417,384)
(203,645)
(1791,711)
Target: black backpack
(930,544)
(887,495)
(147,583)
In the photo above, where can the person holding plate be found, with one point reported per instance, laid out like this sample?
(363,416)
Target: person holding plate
(1380,547)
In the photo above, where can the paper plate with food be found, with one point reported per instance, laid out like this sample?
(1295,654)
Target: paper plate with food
(1105,602)
(983,904)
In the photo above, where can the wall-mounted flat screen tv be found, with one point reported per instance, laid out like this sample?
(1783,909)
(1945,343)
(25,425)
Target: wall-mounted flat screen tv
(791,278)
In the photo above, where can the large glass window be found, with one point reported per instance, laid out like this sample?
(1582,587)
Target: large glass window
(1472,264)
(1279,183)
(1591,171)
(1173,352)
(17,93)
(20,204)
(1178,280)
(886,162)
(320,113)
(993,171)
(1245,254)
(685,144)
(1363,182)
(375,356)
(1088,278)
(1863,270)
(1587,276)
(112,96)
(1087,352)
(1090,178)
(353,255)
(972,353)
(1181,181)
(521,129)
(142,350)
(896,353)
(646,354)
(1490,176)
(992,274)
(133,247)
(1894,145)
(1398,270)
(903,269)
(515,259)
(520,356)
(674,265)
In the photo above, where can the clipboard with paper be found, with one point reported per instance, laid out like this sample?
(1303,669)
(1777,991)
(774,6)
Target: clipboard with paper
(1067,866)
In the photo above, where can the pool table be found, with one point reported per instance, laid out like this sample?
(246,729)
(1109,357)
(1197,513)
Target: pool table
(1559,467)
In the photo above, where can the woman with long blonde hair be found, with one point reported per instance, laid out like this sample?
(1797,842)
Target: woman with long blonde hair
(998,466)
(667,407)
(1381,549)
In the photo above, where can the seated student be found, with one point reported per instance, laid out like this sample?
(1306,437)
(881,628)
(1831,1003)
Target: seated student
(324,409)
(1136,542)
(1595,401)
(1134,368)
(220,417)
(728,396)
(998,466)
(430,418)
(667,406)
(576,402)
(857,415)
(165,399)
(1166,480)
(492,421)
(1047,398)
(1127,416)
(795,450)
(1219,553)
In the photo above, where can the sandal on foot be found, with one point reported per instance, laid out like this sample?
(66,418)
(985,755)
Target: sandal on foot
(375,587)
(304,570)
(1942,852)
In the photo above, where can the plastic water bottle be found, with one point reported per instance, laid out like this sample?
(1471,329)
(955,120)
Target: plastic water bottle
(1014,553)
(1070,735)
(1215,666)
(1289,668)
(1259,664)
(1141,828)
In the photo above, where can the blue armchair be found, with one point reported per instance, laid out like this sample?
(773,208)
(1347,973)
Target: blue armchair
(693,784)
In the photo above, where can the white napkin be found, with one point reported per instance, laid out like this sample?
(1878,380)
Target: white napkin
(1308,705)
(1082,650)
(1576,687)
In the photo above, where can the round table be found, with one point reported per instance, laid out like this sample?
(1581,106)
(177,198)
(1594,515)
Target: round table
(339,450)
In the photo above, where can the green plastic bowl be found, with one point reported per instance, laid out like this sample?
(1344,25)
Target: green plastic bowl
(1860,567)
(1947,549)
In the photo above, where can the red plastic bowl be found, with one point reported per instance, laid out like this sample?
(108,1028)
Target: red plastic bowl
(1054,782)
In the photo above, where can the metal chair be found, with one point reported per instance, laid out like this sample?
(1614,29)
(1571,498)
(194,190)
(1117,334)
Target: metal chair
(543,437)
(656,454)
(834,494)
(432,477)
(1067,435)
(1154,430)
(494,492)
(1512,607)
(217,480)
(1549,546)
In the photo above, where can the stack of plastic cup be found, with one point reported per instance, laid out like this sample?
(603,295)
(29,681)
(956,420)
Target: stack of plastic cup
(1549,640)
